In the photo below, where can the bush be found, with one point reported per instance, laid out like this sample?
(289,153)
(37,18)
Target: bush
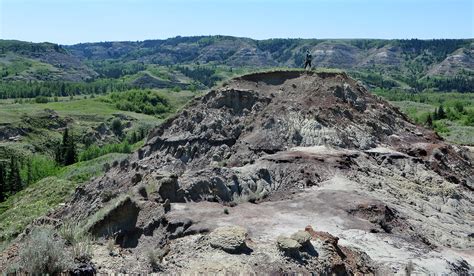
(155,258)
(117,127)
(440,127)
(82,248)
(43,252)
(68,232)
(110,244)
(469,119)
(37,168)
(41,99)
(80,241)
(94,151)
(141,101)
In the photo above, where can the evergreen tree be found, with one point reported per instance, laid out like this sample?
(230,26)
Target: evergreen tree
(58,154)
(70,154)
(66,152)
(14,178)
(29,174)
(435,114)
(429,121)
(134,138)
(117,127)
(142,133)
(65,136)
(441,114)
(3,186)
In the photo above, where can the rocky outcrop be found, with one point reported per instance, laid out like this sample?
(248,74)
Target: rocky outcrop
(454,63)
(119,218)
(284,150)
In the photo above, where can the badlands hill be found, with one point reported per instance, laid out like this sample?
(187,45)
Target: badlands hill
(277,172)
(443,64)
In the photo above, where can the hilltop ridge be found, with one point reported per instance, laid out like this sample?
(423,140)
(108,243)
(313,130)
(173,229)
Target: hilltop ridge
(407,64)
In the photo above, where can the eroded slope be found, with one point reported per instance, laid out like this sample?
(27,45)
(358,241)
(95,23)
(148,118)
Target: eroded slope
(285,152)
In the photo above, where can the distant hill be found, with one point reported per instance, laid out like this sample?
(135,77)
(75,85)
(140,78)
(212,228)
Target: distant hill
(25,61)
(409,64)
(233,51)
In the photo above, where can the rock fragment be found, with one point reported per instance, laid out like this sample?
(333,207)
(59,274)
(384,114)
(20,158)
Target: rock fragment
(230,239)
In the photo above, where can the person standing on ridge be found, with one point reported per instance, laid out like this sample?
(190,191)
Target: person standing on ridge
(307,60)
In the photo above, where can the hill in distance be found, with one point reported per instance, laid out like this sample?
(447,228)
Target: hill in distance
(408,64)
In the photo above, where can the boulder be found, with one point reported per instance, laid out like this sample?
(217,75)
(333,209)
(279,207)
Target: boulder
(288,246)
(230,239)
(302,237)
(168,188)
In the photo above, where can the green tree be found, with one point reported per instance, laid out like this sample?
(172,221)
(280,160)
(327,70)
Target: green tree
(117,127)
(429,121)
(41,99)
(133,138)
(3,186)
(66,153)
(70,153)
(29,173)
(459,107)
(142,133)
(441,114)
(14,178)
(58,154)
(435,114)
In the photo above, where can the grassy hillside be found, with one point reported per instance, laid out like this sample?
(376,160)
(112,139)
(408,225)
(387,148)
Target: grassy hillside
(445,65)
(456,126)
(402,63)
(32,131)
(41,197)
(25,61)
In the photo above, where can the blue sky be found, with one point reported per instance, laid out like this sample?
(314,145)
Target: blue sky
(74,21)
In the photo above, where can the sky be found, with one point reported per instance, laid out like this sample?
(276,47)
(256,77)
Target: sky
(75,21)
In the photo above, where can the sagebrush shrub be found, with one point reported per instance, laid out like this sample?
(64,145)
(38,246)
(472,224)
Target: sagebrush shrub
(44,252)
(80,241)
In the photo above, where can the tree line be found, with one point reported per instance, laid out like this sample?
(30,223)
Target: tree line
(22,89)
(440,48)
(463,84)
(28,47)
(204,75)
(454,113)
(10,179)
(116,69)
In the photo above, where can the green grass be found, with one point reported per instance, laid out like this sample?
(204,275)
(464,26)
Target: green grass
(20,67)
(92,110)
(39,198)
(94,151)
(455,129)
(85,112)
(36,200)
